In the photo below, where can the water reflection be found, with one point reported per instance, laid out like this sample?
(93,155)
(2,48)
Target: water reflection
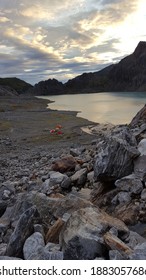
(116,108)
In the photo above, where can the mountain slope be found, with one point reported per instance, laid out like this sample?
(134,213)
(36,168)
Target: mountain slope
(16,84)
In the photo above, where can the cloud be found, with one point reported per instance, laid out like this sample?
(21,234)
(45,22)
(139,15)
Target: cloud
(43,39)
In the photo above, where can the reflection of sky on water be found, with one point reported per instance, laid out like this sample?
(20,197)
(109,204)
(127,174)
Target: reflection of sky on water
(116,108)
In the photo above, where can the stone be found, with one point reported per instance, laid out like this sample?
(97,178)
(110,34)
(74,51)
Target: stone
(140,167)
(82,235)
(22,231)
(134,239)
(32,244)
(143,195)
(66,183)
(58,178)
(68,205)
(79,178)
(46,188)
(51,247)
(90,176)
(128,213)
(3,247)
(115,243)
(121,198)
(116,255)
(130,184)
(142,147)
(77,151)
(114,158)
(140,118)
(43,254)
(54,231)
(139,252)
(65,164)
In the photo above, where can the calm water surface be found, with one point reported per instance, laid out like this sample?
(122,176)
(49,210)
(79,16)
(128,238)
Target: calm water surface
(116,108)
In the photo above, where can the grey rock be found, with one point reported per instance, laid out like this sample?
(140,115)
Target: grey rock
(66,183)
(90,176)
(143,194)
(121,198)
(114,158)
(79,178)
(51,247)
(77,151)
(46,188)
(32,244)
(43,254)
(142,147)
(130,184)
(134,239)
(3,247)
(139,252)
(81,248)
(22,231)
(116,255)
(56,178)
(140,167)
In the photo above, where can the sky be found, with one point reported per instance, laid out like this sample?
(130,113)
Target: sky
(61,39)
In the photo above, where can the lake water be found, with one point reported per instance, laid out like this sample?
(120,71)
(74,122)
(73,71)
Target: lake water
(104,107)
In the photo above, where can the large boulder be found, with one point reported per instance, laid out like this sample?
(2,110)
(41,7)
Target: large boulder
(115,155)
(82,235)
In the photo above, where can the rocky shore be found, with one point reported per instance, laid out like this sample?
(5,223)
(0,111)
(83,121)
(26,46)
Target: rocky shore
(70,196)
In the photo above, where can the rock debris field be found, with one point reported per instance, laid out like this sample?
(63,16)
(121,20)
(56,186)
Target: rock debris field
(80,196)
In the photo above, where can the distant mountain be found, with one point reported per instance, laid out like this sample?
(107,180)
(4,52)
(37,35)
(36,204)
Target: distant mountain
(127,75)
(15,85)
(51,86)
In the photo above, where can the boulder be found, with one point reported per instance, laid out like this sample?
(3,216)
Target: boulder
(22,231)
(32,244)
(115,156)
(130,184)
(82,235)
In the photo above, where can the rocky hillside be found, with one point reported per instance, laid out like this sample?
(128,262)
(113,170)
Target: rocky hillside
(13,86)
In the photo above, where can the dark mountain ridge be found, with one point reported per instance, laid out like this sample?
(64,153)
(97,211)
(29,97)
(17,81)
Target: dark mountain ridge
(14,86)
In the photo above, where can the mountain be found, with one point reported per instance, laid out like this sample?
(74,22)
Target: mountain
(51,86)
(14,85)
(127,75)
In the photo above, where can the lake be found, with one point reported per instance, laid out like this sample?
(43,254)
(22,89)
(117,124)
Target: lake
(104,107)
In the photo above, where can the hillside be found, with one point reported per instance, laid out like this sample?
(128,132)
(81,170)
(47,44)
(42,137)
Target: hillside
(15,84)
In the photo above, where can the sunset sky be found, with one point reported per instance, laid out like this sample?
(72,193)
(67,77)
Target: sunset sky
(42,39)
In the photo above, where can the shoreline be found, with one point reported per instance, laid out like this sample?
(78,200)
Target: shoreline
(26,122)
